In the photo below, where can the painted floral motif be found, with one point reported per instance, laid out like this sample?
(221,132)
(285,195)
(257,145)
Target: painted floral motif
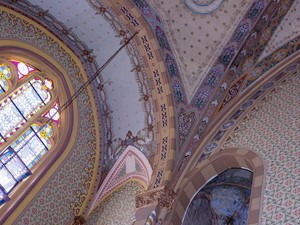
(284,7)
(185,121)
(248,64)
(255,73)
(227,55)
(255,9)
(179,94)
(213,78)
(201,100)
(265,36)
(172,68)
(279,55)
(233,91)
(161,37)
(242,31)
(143,6)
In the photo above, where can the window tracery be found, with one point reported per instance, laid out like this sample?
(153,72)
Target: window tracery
(29,118)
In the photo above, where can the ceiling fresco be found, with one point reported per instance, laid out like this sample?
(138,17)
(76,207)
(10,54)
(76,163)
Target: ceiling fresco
(224,200)
(245,68)
(214,59)
(197,39)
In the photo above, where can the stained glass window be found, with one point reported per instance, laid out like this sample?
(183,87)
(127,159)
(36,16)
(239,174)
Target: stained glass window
(33,144)
(5,75)
(53,113)
(23,69)
(16,112)
(21,106)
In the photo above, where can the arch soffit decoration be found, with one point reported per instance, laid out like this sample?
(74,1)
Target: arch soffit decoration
(206,170)
(19,205)
(156,70)
(245,103)
(124,170)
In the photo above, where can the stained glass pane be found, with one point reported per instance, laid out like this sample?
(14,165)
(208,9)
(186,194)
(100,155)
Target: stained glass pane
(30,147)
(28,99)
(5,75)
(17,168)
(7,181)
(3,196)
(23,69)
(53,113)
(9,117)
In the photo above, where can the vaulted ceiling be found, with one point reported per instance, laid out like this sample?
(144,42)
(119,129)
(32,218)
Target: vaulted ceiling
(209,55)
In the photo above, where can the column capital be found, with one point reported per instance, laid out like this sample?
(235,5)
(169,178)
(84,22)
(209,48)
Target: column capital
(163,197)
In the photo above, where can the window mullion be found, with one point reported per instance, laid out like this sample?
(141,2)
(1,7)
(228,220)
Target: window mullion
(36,92)
(1,136)
(15,153)
(4,165)
(25,117)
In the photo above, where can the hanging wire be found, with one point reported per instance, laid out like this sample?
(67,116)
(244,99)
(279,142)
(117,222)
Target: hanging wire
(80,90)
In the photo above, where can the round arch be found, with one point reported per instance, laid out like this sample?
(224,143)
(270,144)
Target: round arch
(206,170)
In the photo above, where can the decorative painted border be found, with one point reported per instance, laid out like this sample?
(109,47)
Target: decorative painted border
(262,14)
(156,25)
(111,182)
(153,64)
(215,142)
(139,141)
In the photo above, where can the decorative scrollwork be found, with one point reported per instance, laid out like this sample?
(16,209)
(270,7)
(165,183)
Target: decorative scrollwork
(203,8)
(163,197)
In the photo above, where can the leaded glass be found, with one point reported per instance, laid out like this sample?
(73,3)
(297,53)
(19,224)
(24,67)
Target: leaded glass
(7,181)
(15,110)
(23,69)
(30,148)
(3,196)
(53,113)
(28,100)
(10,118)
(17,168)
(5,75)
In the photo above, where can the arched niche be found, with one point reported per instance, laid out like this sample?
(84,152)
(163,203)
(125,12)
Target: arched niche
(206,170)
(223,200)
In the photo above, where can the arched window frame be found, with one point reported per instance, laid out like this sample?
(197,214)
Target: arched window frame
(59,94)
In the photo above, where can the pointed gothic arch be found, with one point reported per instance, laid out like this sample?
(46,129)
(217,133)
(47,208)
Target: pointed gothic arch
(35,90)
(132,165)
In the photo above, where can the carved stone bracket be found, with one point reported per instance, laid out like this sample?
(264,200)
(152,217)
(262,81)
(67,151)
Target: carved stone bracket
(163,197)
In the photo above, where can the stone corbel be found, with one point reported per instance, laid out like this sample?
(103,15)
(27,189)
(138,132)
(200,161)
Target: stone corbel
(163,197)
